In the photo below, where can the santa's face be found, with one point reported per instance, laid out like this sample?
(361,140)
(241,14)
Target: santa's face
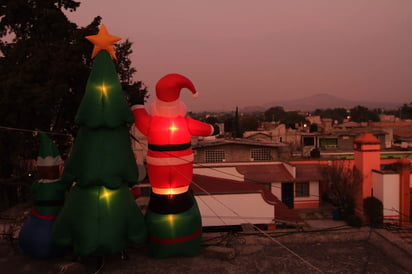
(168,109)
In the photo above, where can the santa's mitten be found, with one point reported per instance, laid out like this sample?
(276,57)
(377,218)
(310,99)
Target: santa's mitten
(136,191)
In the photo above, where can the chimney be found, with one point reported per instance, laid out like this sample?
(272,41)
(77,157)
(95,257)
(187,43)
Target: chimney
(366,158)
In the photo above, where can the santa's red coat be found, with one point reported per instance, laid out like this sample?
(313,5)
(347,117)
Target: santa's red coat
(169,156)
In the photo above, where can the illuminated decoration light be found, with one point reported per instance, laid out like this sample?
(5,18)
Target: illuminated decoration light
(173,218)
(173,128)
(103,41)
(103,89)
(106,194)
(170,191)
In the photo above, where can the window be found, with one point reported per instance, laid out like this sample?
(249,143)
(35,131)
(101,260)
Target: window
(308,141)
(260,154)
(302,189)
(328,143)
(214,156)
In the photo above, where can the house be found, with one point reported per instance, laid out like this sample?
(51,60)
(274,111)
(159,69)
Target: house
(249,168)
(297,186)
(339,139)
(401,131)
(220,150)
(388,180)
(226,202)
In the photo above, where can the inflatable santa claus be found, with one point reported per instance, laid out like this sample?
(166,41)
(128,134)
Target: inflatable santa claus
(173,218)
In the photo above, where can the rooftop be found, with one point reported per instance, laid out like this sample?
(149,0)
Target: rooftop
(323,246)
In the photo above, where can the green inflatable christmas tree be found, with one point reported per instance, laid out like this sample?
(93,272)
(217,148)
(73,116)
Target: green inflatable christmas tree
(100,215)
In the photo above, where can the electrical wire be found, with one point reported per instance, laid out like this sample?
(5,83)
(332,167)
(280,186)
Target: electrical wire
(257,228)
(34,131)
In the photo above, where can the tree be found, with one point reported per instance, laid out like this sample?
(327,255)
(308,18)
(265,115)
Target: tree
(363,114)
(249,122)
(229,124)
(336,114)
(44,64)
(274,114)
(211,120)
(373,209)
(292,118)
(343,182)
(126,72)
(405,112)
(43,71)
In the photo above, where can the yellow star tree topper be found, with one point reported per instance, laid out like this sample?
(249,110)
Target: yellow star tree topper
(103,41)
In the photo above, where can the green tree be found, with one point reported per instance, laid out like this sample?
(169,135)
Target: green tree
(293,118)
(44,64)
(211,120)
(43,68)
(249,122)
(373,209)
(343,183)
(405,112)
(363,114)
(274,114)
(336,114)
(126,71)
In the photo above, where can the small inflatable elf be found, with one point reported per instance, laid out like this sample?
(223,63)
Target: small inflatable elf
(35,237)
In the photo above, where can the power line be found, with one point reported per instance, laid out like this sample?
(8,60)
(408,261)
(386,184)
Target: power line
(261,231)
(34,131)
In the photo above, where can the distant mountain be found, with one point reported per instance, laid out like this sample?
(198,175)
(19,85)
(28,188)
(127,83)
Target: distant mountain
(323,101)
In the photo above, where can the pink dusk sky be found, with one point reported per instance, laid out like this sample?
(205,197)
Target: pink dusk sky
(249,53)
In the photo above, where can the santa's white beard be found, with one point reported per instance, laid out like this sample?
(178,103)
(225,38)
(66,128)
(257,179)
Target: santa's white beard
(168,109)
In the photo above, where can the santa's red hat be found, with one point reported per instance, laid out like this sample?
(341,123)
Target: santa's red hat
(168,87)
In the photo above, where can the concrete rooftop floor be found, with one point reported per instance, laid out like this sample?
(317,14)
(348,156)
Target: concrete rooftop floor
(323,246)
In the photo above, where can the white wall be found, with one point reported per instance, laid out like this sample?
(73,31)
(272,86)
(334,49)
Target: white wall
(313,194)
(276,189)
(234,209)
(386,189)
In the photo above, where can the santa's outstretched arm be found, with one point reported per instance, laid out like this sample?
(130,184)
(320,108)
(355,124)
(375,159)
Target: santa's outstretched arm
(197,128)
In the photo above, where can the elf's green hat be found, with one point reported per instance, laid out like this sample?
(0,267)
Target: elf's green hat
(48,153)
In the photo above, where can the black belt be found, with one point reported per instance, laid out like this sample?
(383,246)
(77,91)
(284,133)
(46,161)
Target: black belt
(48,203)
(171,204)
(169,147)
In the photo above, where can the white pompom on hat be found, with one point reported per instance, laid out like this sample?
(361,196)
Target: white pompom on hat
(168,87)
(48,153)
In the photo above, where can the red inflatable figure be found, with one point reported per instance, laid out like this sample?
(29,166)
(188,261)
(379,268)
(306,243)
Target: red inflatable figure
(173,218)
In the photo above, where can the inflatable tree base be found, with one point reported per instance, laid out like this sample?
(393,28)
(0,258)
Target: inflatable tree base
(174,225)
(99,221)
